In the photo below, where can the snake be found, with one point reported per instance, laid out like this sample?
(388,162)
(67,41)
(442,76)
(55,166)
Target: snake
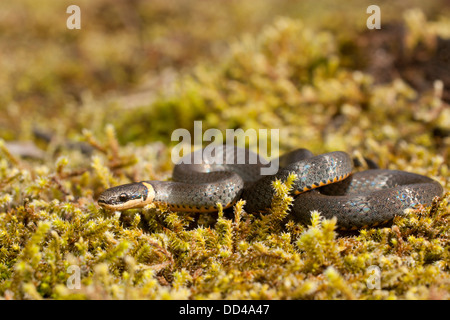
(325,183)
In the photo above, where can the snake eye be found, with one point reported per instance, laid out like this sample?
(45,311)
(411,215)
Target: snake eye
(123,197)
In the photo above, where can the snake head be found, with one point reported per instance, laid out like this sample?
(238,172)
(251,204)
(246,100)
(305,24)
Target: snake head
(127,196)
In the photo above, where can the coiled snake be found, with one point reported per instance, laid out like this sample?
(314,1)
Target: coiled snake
(324,183)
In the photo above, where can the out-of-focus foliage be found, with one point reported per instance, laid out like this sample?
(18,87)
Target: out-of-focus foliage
(136,71)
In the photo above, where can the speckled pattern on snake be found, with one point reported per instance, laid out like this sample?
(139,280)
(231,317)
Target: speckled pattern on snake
(324,183)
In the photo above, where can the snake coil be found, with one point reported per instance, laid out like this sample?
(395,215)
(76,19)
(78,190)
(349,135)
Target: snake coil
(324,183)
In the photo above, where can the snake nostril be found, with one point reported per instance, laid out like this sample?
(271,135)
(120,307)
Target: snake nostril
(103,198)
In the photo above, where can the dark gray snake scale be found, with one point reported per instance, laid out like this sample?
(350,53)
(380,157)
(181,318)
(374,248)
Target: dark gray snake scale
(324,183)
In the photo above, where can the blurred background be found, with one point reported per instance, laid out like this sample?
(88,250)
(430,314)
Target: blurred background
(85,110)
(125,64)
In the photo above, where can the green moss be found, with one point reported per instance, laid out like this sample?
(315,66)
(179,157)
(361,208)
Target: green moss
(290,75)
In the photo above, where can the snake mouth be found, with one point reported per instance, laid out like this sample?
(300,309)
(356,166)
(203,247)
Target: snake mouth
(118,206)
(127,196)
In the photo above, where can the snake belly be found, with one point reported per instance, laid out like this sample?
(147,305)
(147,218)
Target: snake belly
(324,183)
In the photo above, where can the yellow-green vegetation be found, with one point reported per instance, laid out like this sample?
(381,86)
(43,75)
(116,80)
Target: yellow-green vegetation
(299,74)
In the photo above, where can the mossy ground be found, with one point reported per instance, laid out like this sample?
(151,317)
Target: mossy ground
(301,72)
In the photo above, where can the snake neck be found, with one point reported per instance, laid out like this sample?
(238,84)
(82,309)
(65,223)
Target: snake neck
(203,197)
(161,191)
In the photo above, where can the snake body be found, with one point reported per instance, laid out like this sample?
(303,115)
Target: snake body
(324,183)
